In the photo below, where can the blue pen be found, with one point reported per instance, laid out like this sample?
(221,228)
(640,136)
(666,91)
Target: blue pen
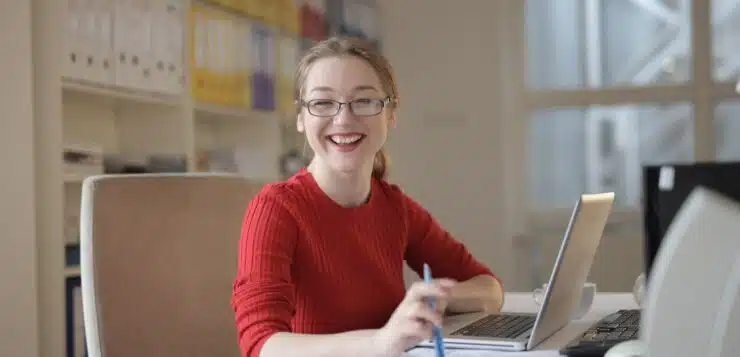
(439,345)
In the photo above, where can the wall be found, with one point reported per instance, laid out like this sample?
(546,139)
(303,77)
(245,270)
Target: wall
(19,329)
(445,151)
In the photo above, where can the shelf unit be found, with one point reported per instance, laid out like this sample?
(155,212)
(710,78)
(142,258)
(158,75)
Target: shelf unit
(199,80)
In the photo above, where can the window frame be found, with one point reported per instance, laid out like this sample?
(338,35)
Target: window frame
(702,92)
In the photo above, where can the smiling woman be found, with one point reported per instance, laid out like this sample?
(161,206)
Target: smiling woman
(321,254)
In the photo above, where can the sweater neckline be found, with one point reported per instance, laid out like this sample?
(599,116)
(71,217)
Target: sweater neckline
(323,196)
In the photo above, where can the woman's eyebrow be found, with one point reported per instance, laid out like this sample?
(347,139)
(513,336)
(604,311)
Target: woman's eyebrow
(321,89)
(365,87)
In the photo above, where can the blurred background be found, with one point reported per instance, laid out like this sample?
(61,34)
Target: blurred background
(509,111)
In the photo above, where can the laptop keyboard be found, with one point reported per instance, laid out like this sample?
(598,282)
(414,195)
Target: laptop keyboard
(498,326)
(620,326)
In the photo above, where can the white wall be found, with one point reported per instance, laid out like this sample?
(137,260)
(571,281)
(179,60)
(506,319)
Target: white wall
(446,151)
(461,147)
(19,328)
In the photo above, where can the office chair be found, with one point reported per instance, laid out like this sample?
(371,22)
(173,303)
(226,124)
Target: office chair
(158,258)
(692,305)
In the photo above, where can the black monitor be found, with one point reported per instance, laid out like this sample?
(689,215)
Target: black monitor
(666,187)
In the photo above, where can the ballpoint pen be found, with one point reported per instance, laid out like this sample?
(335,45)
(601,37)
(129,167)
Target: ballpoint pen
(439,345)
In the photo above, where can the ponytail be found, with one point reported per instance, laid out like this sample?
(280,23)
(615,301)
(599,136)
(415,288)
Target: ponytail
(380,165)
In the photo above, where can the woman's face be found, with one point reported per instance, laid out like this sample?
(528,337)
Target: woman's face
(344,137)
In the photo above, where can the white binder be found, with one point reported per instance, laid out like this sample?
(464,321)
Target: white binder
(74,65)
(99,37)
(243,61)
(168,32)
(132,43)
(288,54)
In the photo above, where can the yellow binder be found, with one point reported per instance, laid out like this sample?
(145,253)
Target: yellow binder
(200,74)
(288,16)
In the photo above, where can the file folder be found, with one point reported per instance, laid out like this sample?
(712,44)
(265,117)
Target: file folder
(254,8)
(351,21)
(243,53)
(288,58)
(132,44)
(168,46)
(199,31)
(76,343)
(229,4)
(228,77)
(263,70)
(313,20)
(288,16)
(74,64)
(98,42)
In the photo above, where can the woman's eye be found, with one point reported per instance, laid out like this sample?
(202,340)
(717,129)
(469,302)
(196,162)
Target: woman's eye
(323,103)
(364,101)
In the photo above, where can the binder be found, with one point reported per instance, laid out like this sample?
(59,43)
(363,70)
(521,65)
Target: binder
(313,19)
(132,44)
(95,42)
(74,64)
(263,70)
(232,75)
(270,12)
(351,24)
(254,8)
(200,72)
(288,59)
(243,61)
(214,57)
(167,46)
(288,16)
(229,4)
(368,20)
(76,343)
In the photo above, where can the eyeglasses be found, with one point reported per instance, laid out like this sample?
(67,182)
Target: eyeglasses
(361,107)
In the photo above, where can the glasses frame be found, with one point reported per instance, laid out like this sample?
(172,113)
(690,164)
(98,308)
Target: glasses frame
(383,102)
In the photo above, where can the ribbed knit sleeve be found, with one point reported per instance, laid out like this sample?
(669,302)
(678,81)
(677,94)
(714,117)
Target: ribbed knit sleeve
(263,295)
(430,243)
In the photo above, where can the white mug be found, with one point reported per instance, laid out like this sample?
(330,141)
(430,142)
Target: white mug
(588,293)
(638,290)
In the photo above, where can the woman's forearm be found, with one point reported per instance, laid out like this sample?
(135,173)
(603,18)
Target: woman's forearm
(481,293)
(355,344)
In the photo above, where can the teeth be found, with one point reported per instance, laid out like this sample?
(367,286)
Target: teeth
(343,139)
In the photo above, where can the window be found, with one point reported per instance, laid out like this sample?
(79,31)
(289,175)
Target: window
(727,131)
(616,84)
(574,44)
(598,149)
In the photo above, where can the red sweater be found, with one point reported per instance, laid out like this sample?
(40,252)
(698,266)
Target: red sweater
(308,265)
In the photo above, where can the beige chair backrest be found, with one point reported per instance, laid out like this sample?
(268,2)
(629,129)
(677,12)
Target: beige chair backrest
(158,259)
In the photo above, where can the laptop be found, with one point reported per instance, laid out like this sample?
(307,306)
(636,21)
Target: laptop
(511,331)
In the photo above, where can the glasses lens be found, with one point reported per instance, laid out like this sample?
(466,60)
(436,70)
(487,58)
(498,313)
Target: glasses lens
(321,107)
(366,107)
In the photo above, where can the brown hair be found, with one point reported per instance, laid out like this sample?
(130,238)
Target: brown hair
(352,46)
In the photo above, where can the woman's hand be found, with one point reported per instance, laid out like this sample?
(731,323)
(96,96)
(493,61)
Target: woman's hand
(414,318)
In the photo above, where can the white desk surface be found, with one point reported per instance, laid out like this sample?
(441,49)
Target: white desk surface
(604,304)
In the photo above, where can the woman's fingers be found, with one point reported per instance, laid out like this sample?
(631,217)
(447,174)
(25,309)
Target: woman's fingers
(424,312)
(437,289)
(419,329)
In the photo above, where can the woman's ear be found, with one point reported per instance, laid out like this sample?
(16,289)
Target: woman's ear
(299,124)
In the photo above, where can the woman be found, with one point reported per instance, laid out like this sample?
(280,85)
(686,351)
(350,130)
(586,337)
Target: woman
(321,254)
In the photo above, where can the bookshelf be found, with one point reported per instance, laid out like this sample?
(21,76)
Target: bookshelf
(177,85)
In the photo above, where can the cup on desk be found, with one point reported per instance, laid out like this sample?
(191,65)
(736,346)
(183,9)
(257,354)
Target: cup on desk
(638,290)
(588,293)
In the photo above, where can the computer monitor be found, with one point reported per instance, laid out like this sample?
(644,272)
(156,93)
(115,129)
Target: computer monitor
(666,187)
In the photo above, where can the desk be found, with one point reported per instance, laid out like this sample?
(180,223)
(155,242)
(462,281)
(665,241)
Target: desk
(604,304)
